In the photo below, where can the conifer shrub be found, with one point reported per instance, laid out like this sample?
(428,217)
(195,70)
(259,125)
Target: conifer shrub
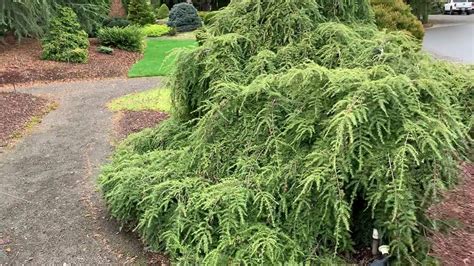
(66,41)
(130,38)
(294,132)
(162,12)
(396,15)
(140,12)
(184,17)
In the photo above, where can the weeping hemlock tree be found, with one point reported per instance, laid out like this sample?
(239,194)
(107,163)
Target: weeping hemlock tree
(297,128)
(30,17)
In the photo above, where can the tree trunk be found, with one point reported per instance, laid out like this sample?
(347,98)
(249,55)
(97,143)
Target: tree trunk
(116,9)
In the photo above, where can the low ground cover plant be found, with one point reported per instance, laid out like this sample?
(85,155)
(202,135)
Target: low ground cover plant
(105,50)
(184,17)
(66,41)
(130,38)
(295,131)
(155,30)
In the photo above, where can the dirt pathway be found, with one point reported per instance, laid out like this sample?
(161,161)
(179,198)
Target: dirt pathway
(50,209)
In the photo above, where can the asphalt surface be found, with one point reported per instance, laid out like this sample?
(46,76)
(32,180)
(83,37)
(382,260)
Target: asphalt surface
(51,212)
(451,38)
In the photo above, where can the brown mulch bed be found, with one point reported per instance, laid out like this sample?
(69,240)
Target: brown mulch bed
(456,247)
(20,64)
(16,110)
(134,121)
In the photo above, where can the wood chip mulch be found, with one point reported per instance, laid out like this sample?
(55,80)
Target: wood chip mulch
(20,64)
(16,110)
(456,247)
(134,121)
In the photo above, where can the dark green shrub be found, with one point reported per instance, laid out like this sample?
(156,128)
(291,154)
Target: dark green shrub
(295,130)
(437,6)
(184,17)
(207,17)
(66,41)
(396,15)
(162,12)
(105,50)
(116,22)
(140,12)
(130,38)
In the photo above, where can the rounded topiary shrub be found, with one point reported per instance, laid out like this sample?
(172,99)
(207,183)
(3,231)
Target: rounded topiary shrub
(184,17)
(162,12)
(66,41)
(396,15)
(140,12)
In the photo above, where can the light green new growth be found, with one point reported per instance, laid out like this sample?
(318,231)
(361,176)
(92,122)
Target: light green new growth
(155,30)
(150,100)
(297,127)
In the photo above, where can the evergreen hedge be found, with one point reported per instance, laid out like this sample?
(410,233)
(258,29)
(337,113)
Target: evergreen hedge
(295,131)
(66,40)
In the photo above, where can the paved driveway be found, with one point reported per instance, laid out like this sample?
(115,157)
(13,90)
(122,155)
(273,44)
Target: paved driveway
(451,38)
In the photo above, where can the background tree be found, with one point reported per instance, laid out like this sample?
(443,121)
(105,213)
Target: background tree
(140,12)
(26,18)
(162,12)
(421,9)
(155,3)
(396,15)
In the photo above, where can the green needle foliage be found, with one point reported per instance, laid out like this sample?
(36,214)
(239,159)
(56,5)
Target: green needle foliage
(162,12)
(31,17)
(66,41)
(297,127)
(140,12)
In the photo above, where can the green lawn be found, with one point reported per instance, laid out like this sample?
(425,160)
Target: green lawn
(152,100)
(154,57)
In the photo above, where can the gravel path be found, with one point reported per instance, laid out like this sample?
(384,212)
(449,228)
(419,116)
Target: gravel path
(50,209)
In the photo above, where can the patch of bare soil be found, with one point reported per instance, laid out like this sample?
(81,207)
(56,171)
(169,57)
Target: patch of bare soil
(456,247)
(16,110)
(134,121)
(21,65)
